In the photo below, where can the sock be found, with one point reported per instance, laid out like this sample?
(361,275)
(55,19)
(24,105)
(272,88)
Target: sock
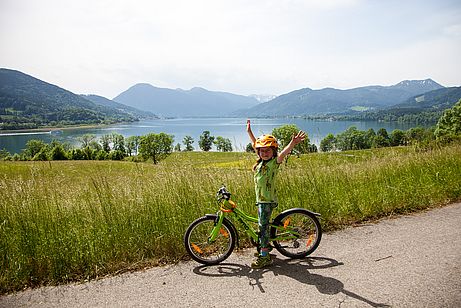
(264,252)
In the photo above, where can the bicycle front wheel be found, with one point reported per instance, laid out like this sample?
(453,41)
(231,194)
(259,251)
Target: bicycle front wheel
(201,248)
(297,234)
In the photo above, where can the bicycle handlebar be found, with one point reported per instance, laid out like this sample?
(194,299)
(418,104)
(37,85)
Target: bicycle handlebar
(223,193)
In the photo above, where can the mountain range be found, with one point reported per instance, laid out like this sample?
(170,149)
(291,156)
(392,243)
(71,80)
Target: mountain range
(333,101)
(102,101)
(184,103)
(27,102)
(437,100)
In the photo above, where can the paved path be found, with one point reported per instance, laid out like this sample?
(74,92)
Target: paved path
(410,261)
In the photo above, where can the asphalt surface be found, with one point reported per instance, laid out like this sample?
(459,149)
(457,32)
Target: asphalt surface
(409,261)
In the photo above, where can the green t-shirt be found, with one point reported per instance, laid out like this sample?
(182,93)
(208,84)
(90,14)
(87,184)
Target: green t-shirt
(264,177)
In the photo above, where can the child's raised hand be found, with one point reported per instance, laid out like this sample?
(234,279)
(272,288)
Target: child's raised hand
(250,133)
(298,138)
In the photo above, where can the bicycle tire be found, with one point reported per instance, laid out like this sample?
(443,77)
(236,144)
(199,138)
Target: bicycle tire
(198,246)
(307,227)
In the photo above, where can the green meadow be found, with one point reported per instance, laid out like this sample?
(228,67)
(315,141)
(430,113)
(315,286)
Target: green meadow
(63,221)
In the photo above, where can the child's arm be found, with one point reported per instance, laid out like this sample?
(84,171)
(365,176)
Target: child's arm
(294,141)
(250,133)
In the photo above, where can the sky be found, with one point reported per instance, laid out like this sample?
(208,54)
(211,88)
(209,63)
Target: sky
(247,47)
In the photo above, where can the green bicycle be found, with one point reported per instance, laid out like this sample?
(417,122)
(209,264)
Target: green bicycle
(210,239)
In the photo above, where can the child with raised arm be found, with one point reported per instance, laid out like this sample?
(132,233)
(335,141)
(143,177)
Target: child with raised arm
(265,172)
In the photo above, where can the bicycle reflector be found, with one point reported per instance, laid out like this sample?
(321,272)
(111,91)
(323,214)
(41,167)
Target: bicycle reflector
(196,248)
(286,222)
(223,232)
(309,241)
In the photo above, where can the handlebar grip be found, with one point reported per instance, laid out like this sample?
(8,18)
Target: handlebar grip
(224,193)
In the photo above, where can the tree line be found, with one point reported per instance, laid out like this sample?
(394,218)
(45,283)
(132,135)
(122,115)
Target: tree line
(448,129)
(34,117)
(155,147)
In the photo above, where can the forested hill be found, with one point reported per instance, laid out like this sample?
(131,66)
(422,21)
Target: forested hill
(100,100)
(439,99)
(333,101)
(422,108)
(426,108)
(27,102)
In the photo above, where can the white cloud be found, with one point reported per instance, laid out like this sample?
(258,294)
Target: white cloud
(453,31)
(269,46)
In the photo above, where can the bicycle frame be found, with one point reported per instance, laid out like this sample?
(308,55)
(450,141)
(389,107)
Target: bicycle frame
(229,207)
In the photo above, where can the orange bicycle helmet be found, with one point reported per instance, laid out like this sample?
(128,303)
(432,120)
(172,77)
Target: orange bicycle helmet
(266,141)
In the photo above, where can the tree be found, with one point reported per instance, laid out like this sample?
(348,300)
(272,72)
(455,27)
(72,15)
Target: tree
(42,155)
(312,148)
(352,139)
(249,148)
(101,155)
(223,144)
(132,145)
(58,153)
(328,143)
(417,135)
(5,155)
(76,154)
(95,145)
(188,141)
(118,142)
(156,146)
(177,147)
(382,139)
(284,133)
(448,127)
(397,138)
(86,139)
(33,147)
(370,137)
(105,141)
(115,155)
(206,141)
(89,153)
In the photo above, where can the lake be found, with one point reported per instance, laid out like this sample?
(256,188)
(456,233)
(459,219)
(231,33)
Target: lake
(232,128)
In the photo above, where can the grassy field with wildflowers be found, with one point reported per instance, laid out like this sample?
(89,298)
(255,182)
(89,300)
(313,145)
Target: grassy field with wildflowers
(79,220)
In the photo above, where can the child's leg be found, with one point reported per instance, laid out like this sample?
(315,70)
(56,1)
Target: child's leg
(264,216)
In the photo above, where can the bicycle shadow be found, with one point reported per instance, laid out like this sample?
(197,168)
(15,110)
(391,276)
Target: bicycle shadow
(295,269)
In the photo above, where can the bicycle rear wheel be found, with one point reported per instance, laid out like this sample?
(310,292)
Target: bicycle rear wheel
(198,244)
(302,231)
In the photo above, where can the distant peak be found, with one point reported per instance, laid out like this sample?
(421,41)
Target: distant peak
(198,89)
(262,98)
(425,82)
(143,85)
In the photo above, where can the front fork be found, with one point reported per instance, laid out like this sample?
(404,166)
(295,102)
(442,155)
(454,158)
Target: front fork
(217,227)
(219,218)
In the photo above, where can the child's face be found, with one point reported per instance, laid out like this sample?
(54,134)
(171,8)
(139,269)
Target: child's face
(266,153)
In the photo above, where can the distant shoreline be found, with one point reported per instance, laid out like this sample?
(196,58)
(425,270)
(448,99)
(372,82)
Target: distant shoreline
(53,129)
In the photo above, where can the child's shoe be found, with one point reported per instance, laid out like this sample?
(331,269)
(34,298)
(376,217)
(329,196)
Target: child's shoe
(261,262)
(269,249)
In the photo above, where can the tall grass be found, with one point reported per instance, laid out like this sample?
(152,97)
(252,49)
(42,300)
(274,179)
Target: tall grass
(365,185)
(68,221)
